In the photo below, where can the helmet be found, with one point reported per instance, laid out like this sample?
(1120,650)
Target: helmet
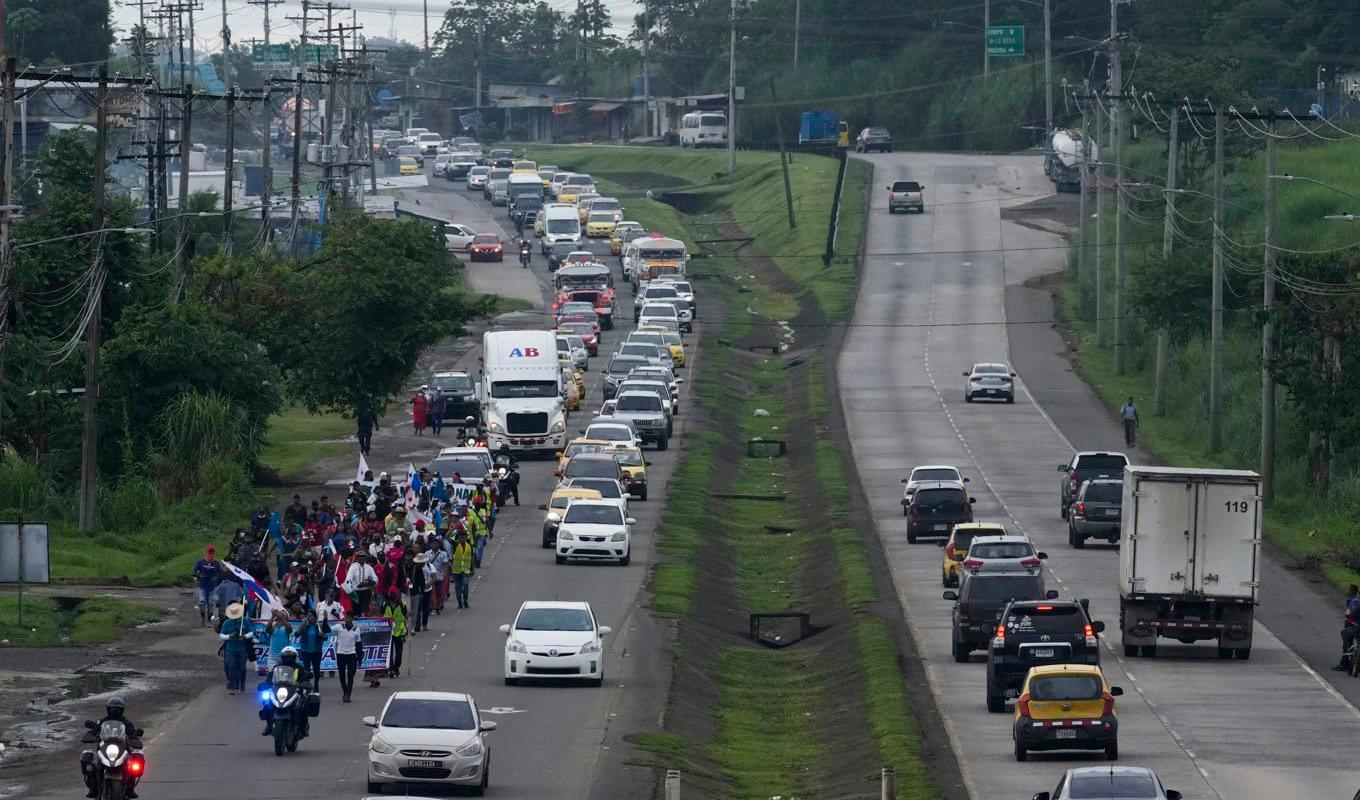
(115,707)
(289,656)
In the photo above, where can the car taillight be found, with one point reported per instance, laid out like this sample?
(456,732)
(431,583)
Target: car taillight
(999,641)
(1022,705)
(137,764)
(1029,562)
(975,379)
(972,563)
(949,550)
(1081,508)
(1109,704)
(1090,636)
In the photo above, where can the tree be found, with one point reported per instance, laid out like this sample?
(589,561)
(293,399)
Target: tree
(67,32)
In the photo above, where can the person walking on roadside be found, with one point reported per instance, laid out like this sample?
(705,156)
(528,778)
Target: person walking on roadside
(438,405)
(1350,626)
(227,591)
(237,641)
(346,654)
(460,564)
(420,407)
(439,559)
(208,572)
(1129,414)
(311,636)
(365,422)
(396,611)
(359,582)
(477,531)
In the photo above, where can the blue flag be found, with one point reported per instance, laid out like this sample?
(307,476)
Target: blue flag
(439,491)
(438,519)
(276,527)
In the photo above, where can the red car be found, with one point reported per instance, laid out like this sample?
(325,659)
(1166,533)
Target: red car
(589,336)
(486,247)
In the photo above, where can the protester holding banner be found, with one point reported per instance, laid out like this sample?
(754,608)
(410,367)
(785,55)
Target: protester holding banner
(311,637)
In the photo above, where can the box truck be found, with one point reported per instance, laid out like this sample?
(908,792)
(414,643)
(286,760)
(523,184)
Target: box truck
(521,390)
(1189,558)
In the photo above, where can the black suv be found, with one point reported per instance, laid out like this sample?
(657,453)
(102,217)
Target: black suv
(1096,512)
(936,508)
(1033,633)
(1086,467)
(979,602)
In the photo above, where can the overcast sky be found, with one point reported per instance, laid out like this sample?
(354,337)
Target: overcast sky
(400,19)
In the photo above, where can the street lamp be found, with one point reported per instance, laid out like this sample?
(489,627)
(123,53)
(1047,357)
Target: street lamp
(129,231)
(1343,217)
(1291,178)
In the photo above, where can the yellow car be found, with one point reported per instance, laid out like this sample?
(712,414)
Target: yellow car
(583,205)
(573,387)
(568,192)
(547,173)
(673,342)
(539,222)
(577,376)
(556,505)
(580,445)
(956,546)
(408,166)
(634,467)
(1066,707)
(524,167)
(625,231)
(599,224)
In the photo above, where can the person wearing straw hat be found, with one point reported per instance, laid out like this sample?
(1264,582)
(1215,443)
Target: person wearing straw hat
(237,640)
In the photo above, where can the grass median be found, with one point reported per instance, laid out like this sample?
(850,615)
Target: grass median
(52,622)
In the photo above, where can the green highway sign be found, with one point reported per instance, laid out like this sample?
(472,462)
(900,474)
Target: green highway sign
(322,52)
(271,55)
(1006,40)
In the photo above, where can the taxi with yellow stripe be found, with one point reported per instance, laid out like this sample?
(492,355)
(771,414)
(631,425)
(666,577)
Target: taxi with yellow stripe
(1066,707)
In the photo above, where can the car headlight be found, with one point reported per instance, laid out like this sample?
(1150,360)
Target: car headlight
(470,750)
(591,647)
(516,646)
(381,747)
(618,537)
(494,427)
(565,536)
(559,426)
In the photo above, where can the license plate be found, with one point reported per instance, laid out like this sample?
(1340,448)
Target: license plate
(1111,512)
(940,528)
(1067,733)
(425,762)
(991,391)
(1042,652)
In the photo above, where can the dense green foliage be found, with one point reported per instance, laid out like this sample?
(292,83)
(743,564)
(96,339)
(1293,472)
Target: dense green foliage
(58,31)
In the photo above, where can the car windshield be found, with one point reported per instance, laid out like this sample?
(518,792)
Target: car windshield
(639,402)
(933,474)
(1002,587)
(476,171)
(579,180)
(582,447)
(608,488)
(1065,687)
(601,216)
(624,365)
(660,293)
(628,458)
(1102,786)
(876,131)
(592,468)
(610,433)
(1001,550)
(594,515)
(576,327)
(712,120)
(1102,463)
(1045,619)
(653,339)
(561,248)
(939,501)
(486,238)
(577,307)
(563,226)
(1104,493)
(499,174)
(554,619)
(443,715)
(468,467)
(906,186)
(513,389)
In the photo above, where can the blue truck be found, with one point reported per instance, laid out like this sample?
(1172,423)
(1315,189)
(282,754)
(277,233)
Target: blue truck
(823,127)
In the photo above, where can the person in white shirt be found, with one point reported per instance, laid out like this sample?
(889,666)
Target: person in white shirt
(347,644)
(330,610)
(360,581)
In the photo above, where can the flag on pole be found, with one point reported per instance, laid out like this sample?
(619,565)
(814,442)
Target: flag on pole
(253,587)
(363,468)
(440,491)
(412,487)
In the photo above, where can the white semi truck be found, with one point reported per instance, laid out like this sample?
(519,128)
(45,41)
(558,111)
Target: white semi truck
(1189,558)
(521,391)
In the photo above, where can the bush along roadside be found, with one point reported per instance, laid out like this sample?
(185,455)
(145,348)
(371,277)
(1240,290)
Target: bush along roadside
(748,530)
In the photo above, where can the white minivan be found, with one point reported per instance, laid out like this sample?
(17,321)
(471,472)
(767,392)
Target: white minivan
(703,129)
(562,223)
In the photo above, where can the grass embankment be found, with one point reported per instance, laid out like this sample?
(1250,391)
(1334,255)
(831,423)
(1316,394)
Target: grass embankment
(766,737)
(297,438)
(1316,530)
(49,624)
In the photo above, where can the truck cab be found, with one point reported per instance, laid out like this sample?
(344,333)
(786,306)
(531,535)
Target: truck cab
(522,404)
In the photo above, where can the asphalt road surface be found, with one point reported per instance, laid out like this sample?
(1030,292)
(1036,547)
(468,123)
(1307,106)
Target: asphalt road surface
(560,741)
(933,302)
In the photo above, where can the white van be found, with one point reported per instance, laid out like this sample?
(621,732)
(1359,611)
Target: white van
(703,129)
(521,391)
(561,223)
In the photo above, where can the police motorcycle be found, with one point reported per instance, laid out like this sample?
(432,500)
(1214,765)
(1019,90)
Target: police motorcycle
(286,706)
(115,765)
(507,475)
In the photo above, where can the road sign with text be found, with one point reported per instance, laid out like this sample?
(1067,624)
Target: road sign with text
(1006,40)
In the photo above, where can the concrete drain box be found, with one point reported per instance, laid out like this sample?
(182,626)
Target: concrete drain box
(780,629)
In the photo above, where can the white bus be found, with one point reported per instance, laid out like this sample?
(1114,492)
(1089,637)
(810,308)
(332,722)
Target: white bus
(703,129)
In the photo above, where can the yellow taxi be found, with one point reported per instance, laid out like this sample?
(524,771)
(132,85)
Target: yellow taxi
(580,445)
(672,340)
(582,202)
(569,192)
(1066,707)
(625,231)
(546,174)
(573,387)
(577,376)
(408,166)
(556,505)
(956,546)
(634,466)
(524,166)
(599,224)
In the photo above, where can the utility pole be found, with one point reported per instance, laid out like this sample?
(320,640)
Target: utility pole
(1083,224)
(477,62)
(1216,303)
(425,5)
(182,245)
(1268,327)
(1121,221)
(986,23)
(6,180)
(226,49)
(797,31)
(1168,239)
(227,183)
(646,73)
(1048,65)
(732,94)
(783,162)
(1101,341)
(89,441)
(266,166)
(297,159)
(265,4)
(193,58)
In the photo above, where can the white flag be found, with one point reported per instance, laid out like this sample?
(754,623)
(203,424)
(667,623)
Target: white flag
(363,468)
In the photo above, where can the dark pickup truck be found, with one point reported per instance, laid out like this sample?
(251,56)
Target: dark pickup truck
(1087,466)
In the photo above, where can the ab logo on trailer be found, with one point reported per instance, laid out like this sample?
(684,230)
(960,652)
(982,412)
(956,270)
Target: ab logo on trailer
(524,352)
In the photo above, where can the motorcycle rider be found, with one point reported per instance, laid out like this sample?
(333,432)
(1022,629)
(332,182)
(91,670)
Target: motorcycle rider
(288,661)
(524,252)
(113,711)
(509,483)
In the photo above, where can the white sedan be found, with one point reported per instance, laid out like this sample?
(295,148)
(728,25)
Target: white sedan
(929,473)
(595,530)
(554,640)
(429,738)
(458,237)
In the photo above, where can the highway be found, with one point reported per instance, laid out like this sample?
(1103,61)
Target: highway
(931,303)
(559,741)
